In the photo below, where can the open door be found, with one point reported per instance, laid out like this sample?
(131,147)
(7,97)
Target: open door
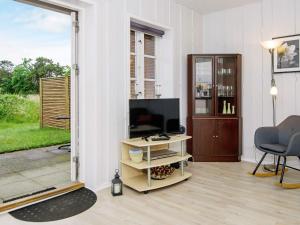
(72,152)
(75,100)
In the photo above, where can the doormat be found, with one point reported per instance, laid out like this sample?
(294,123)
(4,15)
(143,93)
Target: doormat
(58,208)
(28,195)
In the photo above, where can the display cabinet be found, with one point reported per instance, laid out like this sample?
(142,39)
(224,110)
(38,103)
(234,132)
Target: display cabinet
(214,107)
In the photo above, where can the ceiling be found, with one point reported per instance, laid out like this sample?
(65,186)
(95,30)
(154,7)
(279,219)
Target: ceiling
(208,6)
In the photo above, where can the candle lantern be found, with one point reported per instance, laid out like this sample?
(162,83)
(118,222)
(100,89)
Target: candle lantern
(116,185)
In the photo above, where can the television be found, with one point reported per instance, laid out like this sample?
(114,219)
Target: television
(150,117)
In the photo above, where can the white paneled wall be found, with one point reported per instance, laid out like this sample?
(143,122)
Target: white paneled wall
(240,30)
(184,37)
(186,31)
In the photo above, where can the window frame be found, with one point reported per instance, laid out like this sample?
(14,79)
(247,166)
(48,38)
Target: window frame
(140,57)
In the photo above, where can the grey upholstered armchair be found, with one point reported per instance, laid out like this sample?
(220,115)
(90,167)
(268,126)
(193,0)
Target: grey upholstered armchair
(283,141)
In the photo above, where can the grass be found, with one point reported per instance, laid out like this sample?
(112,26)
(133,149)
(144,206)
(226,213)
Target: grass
(18,109)
(23,136)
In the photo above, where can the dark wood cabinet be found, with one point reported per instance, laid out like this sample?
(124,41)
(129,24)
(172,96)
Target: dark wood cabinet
(214,107)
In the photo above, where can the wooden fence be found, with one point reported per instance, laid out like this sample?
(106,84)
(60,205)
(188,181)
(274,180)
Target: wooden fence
(55,102)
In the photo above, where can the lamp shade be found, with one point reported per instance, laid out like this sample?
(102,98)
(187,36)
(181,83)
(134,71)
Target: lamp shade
(271,44)
(273,91)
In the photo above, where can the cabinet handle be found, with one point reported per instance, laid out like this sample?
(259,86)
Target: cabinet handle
(217,136)
(214,136)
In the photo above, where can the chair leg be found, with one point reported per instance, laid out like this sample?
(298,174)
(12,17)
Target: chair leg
(283,168)
(261,160)
(277,166)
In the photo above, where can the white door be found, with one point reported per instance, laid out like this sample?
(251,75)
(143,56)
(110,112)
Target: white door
(74,100)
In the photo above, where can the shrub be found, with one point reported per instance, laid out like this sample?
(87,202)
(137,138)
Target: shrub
(15,108)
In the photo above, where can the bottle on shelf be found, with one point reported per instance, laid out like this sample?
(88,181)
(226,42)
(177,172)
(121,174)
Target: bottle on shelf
(224,107)
(233,110)
(228,108)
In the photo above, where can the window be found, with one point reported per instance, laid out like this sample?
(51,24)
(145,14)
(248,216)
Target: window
(142,65)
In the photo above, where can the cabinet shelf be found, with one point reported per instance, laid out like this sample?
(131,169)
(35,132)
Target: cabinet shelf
(139,142)
(154,163)
(140,184)
(203,98)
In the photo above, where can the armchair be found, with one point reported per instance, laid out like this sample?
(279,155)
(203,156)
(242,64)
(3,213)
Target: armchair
(282,140)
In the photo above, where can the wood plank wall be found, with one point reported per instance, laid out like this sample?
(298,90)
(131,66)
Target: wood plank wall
(55,102)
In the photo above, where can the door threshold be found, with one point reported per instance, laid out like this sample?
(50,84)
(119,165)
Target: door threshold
(20,203)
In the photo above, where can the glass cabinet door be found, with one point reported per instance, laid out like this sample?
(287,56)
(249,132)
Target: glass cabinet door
(226,86)
(203,90)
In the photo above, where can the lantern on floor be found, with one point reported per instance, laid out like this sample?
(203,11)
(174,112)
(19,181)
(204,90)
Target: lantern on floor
(116,185)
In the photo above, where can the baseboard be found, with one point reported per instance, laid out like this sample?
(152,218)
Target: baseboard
(248,160)
(102,187)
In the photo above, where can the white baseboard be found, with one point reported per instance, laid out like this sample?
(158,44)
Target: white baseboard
(102,187)
(248,160)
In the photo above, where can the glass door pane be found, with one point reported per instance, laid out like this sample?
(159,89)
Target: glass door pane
(226,85)
(203,93)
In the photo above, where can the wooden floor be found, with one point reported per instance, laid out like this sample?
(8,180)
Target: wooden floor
(218,193)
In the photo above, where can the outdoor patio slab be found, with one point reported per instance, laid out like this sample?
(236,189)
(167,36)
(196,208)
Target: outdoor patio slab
(11,178)
(19,188)
(4,170)
(55,179)
(25,172)
(32,173)
(66,166)
(32,159)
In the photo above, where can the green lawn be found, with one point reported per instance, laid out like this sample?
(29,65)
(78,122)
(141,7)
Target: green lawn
(23,136)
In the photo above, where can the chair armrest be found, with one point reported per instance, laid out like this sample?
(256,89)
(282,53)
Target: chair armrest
(266,135)
(294,145)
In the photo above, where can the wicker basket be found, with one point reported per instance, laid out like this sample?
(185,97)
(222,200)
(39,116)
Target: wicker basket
(161,172)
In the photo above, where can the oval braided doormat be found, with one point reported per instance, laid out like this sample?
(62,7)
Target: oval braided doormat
(58,208)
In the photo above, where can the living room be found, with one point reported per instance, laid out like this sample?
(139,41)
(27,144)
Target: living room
(119,44)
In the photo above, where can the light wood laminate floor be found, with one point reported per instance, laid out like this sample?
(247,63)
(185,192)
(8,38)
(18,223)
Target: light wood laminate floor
(218,193)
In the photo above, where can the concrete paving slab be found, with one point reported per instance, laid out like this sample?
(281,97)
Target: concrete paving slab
(24,172)
(11,178)
(40,171)
(54,179)
(19,188)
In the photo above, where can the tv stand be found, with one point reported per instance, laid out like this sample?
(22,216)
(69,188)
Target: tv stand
(133,174)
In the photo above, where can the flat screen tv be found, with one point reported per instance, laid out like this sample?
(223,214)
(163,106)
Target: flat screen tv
(150,117)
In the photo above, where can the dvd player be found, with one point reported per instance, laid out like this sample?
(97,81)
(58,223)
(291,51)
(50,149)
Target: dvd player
(164,153)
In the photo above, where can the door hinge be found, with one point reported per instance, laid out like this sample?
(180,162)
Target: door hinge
(76,68)
(76,26)
(75,159)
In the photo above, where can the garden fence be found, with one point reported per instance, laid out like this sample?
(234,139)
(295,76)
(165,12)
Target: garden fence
(55,102)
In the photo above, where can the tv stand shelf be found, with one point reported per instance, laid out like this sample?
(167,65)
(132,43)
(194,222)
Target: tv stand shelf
(157,162)
(133,174)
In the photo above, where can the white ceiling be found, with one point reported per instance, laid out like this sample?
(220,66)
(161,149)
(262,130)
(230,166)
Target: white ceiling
(208,6)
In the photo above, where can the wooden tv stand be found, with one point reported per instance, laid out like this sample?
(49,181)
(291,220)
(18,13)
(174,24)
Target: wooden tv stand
(138,175)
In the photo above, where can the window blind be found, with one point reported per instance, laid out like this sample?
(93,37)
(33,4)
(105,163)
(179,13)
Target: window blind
(146,29)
